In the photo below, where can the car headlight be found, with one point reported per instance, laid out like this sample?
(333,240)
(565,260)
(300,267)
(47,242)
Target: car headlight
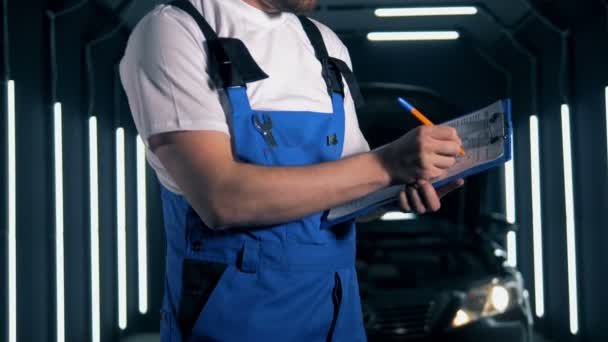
(487,300)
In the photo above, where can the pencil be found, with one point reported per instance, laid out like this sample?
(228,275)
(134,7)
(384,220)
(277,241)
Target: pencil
(421,117)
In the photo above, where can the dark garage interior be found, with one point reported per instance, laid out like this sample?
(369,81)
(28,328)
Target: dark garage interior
(517,254)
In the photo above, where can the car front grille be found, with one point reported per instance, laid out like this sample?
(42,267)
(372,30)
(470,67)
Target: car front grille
(401,322)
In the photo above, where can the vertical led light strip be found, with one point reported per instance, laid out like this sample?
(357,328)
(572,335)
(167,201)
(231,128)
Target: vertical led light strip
(12,215)
(570,220)
(142,226)
(510,210)
(121,231)
(59,267)
(606,118)
(537,234)
(94,225)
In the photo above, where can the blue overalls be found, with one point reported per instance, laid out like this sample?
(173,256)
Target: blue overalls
(288,282)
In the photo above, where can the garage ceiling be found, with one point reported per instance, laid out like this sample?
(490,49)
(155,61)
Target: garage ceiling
(353,17)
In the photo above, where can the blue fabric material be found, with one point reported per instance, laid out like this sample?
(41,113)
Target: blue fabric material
(280,281)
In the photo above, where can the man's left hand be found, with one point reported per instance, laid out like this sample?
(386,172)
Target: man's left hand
(421,197)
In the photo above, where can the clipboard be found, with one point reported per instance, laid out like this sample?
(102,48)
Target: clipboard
(487,131)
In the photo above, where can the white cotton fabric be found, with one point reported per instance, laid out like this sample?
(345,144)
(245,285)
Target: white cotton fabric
(163,72)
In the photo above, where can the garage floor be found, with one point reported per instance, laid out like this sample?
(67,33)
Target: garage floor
(539,338)
(143,338)
(156,338)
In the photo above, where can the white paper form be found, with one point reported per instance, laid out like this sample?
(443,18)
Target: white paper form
(483,135)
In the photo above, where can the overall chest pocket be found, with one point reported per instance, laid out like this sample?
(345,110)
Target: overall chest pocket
(290,140)
(293,156)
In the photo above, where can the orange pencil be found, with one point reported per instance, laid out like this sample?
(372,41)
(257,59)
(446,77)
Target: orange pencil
(415,112)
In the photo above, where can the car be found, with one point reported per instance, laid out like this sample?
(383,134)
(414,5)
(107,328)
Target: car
(437,277)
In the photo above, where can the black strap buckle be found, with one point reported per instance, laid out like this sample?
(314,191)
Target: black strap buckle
(230,64)
(326,73)
(332,76)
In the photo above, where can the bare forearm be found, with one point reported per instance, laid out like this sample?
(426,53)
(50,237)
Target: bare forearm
(228,193)
(252,195)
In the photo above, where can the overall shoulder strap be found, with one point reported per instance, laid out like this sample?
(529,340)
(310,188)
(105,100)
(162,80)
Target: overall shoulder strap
(229,62)
(333,69)
(187,7)
(315,37)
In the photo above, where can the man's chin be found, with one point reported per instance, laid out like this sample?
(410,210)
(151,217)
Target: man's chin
(294,6)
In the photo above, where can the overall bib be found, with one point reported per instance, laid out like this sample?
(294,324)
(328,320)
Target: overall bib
(288,282)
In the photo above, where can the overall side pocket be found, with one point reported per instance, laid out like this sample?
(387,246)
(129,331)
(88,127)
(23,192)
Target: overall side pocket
(199,279)
(336,297)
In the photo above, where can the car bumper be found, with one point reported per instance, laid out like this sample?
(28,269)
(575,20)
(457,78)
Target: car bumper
(488,330)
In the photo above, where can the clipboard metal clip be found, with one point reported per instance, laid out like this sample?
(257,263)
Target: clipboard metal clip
(505,135)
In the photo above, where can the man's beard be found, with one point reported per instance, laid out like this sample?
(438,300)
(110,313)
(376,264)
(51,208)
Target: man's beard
(294,6)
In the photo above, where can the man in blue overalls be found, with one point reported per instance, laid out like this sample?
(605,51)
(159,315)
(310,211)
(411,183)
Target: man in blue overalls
(250,256)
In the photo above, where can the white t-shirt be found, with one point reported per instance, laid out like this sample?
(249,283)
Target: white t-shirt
(164,72)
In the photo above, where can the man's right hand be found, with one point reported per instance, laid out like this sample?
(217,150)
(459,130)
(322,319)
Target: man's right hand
(418,157)
(424,153)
